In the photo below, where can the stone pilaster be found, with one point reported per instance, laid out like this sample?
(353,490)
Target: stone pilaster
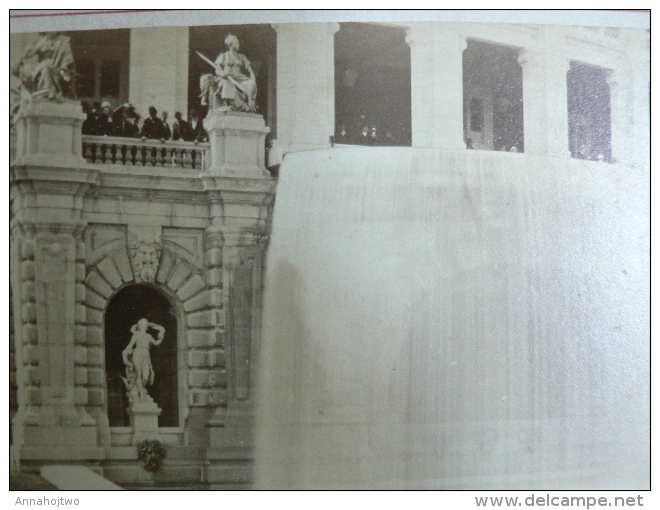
(436,76)
(641,92)
(55,422)
(545,97)
(305,86)
(620,117)
(48,182)
(240,217)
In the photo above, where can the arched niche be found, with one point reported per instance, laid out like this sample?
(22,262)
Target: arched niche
(126,307)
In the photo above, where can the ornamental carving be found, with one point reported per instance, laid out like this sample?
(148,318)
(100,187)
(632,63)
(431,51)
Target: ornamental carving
(144,247)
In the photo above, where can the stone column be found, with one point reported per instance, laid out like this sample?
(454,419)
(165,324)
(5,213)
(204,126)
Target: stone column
(545,100)
(159,69)
(436,76)
(305,86)
(620,116)
(641,95)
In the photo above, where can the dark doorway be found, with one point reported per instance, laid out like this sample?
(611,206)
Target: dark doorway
(589,128)
(372,85)
(492,95)
(102,64)
(127,307)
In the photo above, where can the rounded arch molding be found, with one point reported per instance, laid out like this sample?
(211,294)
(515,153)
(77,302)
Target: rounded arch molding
(179,279)
(176,278)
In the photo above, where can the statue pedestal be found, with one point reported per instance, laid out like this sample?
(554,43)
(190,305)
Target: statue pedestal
(49,134)
(144,420)
(237,142)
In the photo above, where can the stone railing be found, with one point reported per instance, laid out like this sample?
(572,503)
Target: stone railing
(134,151)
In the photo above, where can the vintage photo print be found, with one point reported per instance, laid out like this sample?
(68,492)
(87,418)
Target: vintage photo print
(330,250)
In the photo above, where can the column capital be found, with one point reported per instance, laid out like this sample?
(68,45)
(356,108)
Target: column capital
(420,32)
(529,58)
(616,79)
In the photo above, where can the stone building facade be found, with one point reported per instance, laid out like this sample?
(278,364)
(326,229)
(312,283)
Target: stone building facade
(86,220)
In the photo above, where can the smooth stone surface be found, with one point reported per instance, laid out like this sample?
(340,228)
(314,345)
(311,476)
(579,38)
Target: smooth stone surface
(77,478)
(455,320)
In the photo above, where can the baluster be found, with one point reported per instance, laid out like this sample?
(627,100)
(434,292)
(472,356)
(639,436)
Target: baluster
(123,151)
(143,151)
(134,152)
(104,152)
(113,152)
(193,154)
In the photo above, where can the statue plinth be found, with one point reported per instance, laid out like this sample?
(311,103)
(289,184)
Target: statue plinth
(144,420)
(237,142)
(50,134)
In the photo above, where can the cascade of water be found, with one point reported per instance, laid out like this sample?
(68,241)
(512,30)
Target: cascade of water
(436,319)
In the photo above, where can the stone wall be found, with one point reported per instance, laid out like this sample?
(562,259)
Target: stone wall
(73,247)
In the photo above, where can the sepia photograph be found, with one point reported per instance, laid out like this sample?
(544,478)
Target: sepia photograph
(330,250)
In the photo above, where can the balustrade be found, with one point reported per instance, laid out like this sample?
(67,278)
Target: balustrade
(132,151)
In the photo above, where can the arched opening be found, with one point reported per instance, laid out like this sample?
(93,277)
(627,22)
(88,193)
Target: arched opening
(129,305)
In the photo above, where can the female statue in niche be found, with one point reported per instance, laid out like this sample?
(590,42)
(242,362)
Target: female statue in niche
(139,371)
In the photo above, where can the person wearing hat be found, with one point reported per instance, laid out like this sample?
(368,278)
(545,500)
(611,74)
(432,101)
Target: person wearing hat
(152,127)
(123,121)
(181,129)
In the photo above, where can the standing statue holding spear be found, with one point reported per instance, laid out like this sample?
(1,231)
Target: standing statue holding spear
(234,82)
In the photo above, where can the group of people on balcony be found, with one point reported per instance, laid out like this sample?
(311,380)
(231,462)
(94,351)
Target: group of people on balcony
(367,134)
(124,121)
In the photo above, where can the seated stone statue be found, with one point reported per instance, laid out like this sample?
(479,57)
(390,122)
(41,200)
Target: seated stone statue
(139,371)
(234,83)
(46,69)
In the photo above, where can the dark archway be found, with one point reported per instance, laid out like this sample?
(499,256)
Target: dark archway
(129,305)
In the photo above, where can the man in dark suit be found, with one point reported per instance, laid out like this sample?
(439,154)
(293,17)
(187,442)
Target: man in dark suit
(153,127)
(123,122)
(197,131)
(167,132)
(180,129)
